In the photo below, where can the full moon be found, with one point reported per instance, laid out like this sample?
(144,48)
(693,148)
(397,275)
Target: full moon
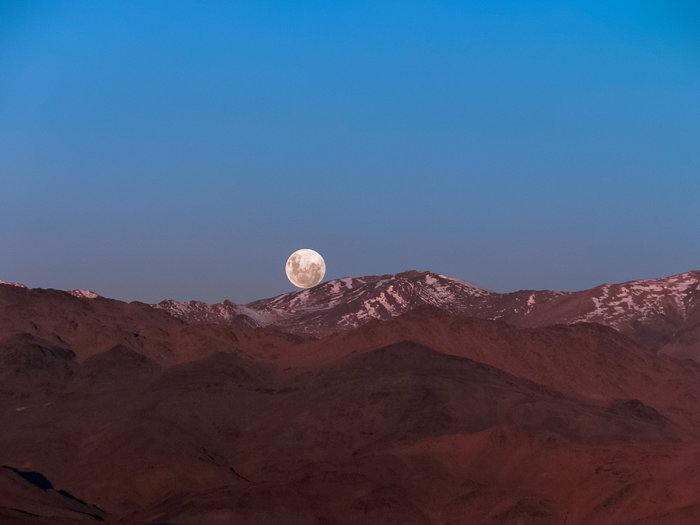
(305,268)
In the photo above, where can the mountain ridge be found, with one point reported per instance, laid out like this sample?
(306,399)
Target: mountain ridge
(663,314)
(432,412)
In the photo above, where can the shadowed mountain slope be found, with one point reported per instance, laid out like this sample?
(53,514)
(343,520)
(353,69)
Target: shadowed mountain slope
(427,416)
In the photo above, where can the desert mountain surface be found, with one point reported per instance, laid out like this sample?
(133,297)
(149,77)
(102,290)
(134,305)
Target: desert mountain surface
(412,398)
(663,315)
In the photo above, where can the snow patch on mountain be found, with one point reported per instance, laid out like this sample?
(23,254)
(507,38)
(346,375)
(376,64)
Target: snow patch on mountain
(84,294)
(226,312)
(642,300)
(11,283)
(475,290)
(351,302)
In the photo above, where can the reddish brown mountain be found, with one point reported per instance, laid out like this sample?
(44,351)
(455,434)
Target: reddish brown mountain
(124,413)
(662,315)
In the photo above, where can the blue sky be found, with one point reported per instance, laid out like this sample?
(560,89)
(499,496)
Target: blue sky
(184,149)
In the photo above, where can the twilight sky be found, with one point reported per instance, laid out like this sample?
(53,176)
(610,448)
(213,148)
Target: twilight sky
(154,150)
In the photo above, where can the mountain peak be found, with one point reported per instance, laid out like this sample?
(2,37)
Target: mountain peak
(351,301)
(84,294)
(652,312)
(617,304)
(11,283)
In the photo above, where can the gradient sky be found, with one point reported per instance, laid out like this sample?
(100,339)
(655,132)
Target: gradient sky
(184,149)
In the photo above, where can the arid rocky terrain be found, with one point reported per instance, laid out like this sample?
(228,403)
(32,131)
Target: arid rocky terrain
(412,398)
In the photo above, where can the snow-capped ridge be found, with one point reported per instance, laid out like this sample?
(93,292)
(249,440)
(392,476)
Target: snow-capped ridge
(84,294)
(615,304)
(351,301)
(198,311)
(12,283)
(649,311)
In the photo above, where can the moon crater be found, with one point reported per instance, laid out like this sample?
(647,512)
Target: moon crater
(305,268)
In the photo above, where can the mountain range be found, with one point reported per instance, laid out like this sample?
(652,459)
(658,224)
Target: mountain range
(407,398)
(662,315)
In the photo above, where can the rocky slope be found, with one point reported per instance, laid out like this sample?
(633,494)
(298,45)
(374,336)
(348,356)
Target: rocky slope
(384,434)
(661,314)
(427,416)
